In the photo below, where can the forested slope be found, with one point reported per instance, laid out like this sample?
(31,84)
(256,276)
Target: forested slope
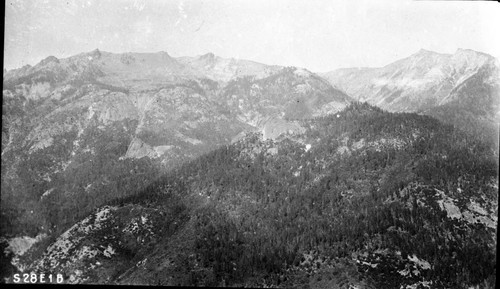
(363,197)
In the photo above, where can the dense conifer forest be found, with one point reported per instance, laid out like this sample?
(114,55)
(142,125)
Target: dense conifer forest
(360,204)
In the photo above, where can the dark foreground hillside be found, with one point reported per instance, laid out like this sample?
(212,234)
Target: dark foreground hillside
(362,198)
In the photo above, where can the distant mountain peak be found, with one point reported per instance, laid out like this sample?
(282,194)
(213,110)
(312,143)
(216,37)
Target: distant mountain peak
(465,50)
(96,53)
(470,52)
(208,55)
(50,59)
(164,53)
(418,82)
(301,72)
(424,51)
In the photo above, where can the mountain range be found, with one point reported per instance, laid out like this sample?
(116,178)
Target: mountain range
(109,157)
(459,88)
(419,82)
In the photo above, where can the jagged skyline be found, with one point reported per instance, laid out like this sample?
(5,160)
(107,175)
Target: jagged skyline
(319,36)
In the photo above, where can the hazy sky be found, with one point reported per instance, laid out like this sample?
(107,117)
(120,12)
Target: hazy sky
(318,35)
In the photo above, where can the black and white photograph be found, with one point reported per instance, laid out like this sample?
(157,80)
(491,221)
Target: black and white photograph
(314,144)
